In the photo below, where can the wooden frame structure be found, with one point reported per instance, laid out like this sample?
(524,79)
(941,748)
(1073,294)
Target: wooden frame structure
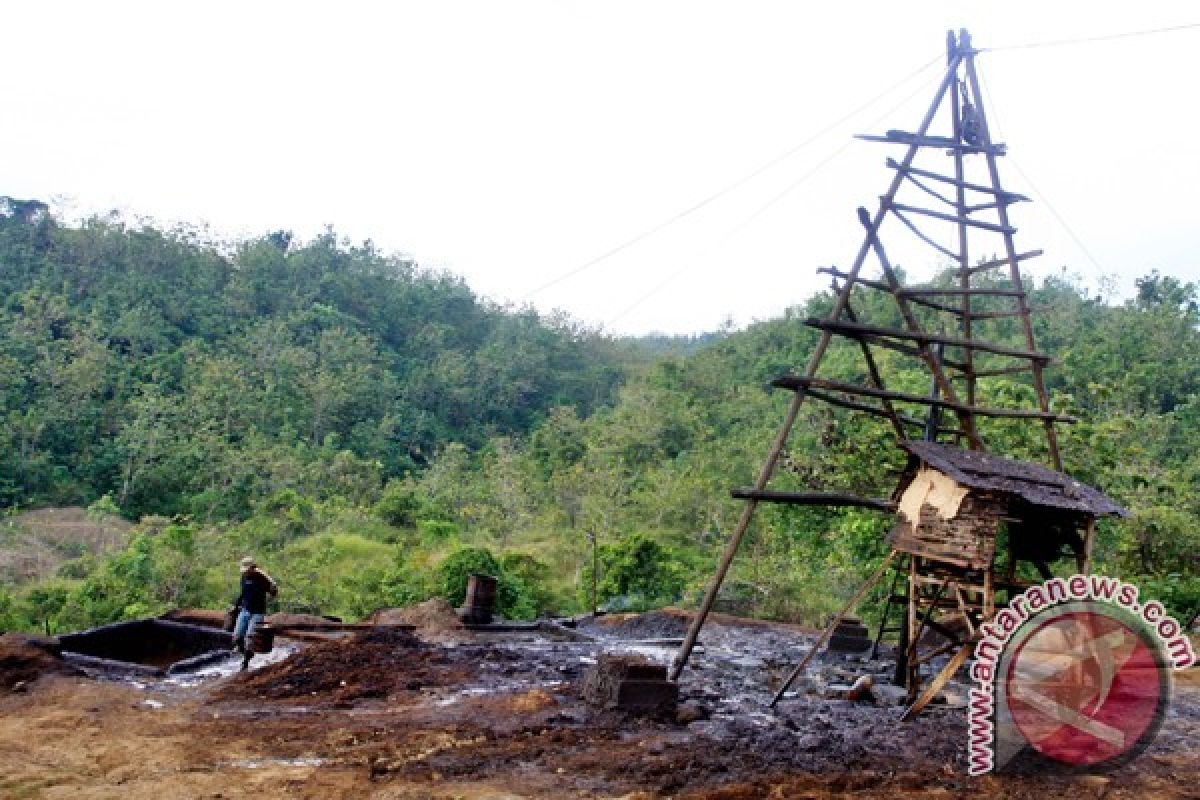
(962,207)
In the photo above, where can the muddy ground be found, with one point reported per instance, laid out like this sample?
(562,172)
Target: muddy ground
(391,714)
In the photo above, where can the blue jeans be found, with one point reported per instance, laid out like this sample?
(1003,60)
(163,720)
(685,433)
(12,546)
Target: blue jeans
(246,623)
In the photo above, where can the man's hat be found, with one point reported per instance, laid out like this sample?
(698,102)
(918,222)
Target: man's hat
(248,563)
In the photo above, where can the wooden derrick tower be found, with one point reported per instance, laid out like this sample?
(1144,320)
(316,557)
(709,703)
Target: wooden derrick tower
(954,501)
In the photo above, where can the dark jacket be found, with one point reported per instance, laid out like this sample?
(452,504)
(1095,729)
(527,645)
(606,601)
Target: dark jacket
(255,588)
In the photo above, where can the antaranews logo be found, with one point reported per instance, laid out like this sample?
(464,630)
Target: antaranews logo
(1078,670)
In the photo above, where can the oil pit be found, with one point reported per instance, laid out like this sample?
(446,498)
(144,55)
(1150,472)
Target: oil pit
(151,647)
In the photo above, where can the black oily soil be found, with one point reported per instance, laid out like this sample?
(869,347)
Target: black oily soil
(374,663)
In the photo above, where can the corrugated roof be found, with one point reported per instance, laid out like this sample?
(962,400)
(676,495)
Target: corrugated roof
(1034,483)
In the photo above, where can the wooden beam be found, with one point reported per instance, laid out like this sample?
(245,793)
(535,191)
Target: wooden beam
(871,581)
(813,499)
(852,329)
(997,371)
(1084,557)
(1001,262)
(1010,252)
(922,236)
(842,402)
(944,291)
(941,142)
(912,293)
(883,287)
(876,378)
(974,223)
(937,176)
(1007,201)
(937,683)
(943,384)
(1005,314)
(795,382)
(931,192)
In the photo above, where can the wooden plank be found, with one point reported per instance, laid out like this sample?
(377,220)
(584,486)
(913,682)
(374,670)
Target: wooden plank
(813,499)
(975,187)
(974,223)
(871,581)
(796,383)
(854,328)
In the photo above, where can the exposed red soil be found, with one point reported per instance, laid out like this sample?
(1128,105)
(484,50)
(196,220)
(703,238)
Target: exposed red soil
(435,620)
(25,658)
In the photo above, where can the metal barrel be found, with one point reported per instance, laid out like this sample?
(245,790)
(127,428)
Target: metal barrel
(481,599)
(263,639)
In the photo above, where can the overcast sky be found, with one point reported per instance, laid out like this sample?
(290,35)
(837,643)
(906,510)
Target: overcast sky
(513,142)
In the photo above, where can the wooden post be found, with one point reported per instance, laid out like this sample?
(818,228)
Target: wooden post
(1084,560)
(911,675)
(876,376)
(595,572)
(964,277)
(1010,249)
(866,587)
(938,682)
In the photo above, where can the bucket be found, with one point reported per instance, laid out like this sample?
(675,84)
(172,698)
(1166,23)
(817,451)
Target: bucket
(481,599)
(262,640)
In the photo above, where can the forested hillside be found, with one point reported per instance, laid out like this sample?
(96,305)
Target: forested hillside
(372,432)
(178,378)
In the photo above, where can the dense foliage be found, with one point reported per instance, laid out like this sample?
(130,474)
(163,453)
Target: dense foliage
(373,433)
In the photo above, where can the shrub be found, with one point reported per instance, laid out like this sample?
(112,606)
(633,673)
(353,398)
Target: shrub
(636,573)
(513,599)
(398,505)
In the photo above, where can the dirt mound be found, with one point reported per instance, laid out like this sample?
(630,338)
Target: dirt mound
(667,623)
(375,663)
(24,659)
(434,614)
(435,621)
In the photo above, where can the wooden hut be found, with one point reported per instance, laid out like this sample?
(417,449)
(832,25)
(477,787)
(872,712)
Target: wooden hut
(966,519)
(953,504)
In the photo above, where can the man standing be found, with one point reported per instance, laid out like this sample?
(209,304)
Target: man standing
(252,605)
